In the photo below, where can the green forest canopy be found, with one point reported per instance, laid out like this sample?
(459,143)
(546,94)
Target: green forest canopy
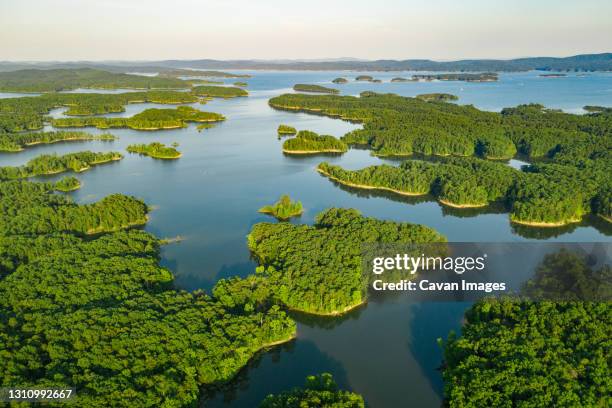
(316,269)
(314,88)
(320,391)
(148,119)
(307,142)
(284,208)
(101,315)
(54,80)
(15,142)
(155,150)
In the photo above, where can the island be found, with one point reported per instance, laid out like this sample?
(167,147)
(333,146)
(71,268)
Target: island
(293,269)
(46,164)
(219,91)
(54,80)
(307,142)
(240,83)
(15,142)
(364,78)
(319,391)
(467,77)
(399,79)
(149,119)
(544,196)
(286,130)
(314,88)
(283,209)
(340,80)
(437,97)
(552,75)
(67,184)
(155,150)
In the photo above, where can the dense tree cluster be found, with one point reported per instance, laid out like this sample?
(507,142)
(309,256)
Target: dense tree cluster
(284,208)
(27,113)
(320,391)
(545,194)
(149,119)
(441,97)
(14,142)
(340,80)
(315,269)
(155,150)
(286,130)
(53,80)
(218,91)
(307,142)
(314,88)
(52,163)
(101,315)
(67,184)
(530,354)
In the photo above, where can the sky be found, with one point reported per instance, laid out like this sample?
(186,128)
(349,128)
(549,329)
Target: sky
(70,30)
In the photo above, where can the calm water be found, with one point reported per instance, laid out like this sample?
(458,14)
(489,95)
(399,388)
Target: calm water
(385,351)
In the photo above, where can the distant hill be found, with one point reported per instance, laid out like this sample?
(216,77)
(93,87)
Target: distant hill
(585,62)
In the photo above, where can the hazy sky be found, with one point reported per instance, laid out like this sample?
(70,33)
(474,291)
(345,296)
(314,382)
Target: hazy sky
(235,29)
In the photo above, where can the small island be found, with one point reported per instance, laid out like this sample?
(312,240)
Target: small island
(314,88)
(340,80)
(319,391)
(552,75)
(399,79)
(286,130)
(240,83)
(149,119)
(16,142)
(364,78)
(481,77)
(67,184)
(219,91)
(155,150)
(307,142)
(47,164)
(437,97)
(283,209)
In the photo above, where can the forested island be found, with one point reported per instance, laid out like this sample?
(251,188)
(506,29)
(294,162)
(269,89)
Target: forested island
(240,83)
(399,79)
(482,77)
(333,245)
(67,184)
(283,209)
(340,80)
(320,391)
(286,130)
(218,91)
(15,142)
(51,164)
(148,119)
(367,78)
(314,88)
(569,180)
(553,75)
(54,80)
(544,195)
(307,142)
(155,150)
(24,114)
(440,97)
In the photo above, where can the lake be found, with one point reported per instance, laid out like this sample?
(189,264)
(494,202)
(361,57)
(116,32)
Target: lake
(386,350)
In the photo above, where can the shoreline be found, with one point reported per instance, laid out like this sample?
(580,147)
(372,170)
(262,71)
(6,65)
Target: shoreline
(367,187)
(334,313)
(312,151)
(451,204)
(545,224)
